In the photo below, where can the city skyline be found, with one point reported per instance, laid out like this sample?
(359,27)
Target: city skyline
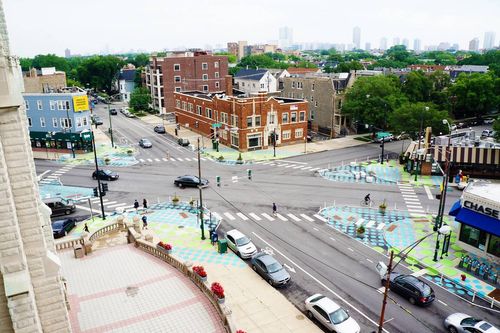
(166,28)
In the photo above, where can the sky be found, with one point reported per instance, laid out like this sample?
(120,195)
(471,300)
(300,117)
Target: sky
(96,26)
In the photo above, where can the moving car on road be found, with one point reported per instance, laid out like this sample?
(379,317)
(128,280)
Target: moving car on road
(463,323)
(240,244)
(190,181)
(105,175)
(97,120)
(160,129)
(383,136)
(330,314)
(411,288)
(61,228)
(270,269)
(488,121)
(113,112)
(60,206)
(145,143)
(183,142)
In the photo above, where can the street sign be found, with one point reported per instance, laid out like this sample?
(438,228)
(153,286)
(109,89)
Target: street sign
(86,136)
(234,129)
(216,125)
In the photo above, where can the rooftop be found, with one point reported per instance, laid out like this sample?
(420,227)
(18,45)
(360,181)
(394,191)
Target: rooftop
(250,74)
(127,75)
(222,95)
(488,189)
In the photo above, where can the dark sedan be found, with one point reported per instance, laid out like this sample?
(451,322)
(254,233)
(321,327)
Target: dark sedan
(411,288)
(105,175)
(160,129)
(190,181)
(113,112)
(183,142)
(270,269)
(61,228)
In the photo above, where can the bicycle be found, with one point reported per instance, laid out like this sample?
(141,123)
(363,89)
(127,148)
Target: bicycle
(366,203)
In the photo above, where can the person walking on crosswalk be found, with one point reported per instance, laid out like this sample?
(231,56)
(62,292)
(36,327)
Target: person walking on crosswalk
(136,205)
(144,222)
(274,209)
(145,203)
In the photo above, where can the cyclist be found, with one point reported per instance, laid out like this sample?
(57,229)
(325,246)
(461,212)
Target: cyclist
(367,199)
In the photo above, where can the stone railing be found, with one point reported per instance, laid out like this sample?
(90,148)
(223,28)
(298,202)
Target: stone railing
(68,243)
(104,230)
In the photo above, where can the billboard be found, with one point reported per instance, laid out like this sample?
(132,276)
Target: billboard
(80,103)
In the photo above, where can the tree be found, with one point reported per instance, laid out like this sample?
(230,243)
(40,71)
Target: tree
(140,60)
(346,67)
(261,61)
(140,99)
(50,60)
(408,116)
(496,128)
(74,83)
(99,71)
(417,87)
(231,58)
(26,63)
(476,94)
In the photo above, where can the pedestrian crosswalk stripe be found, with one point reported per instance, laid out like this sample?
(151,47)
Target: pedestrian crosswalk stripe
(188,159)
(299,167)
(255,216)
(150,160)
(410,190)
(259,162)
(97,199)
(164,159)
(319,217)
(242,216)
(404,185)
(283,165)
(414,206)
(370,224)
(172,159)
(267,163)
(293,217)
(203,159)
(142,160)
(411,199)
(410,196)
(229,216)
(109,203)
(272,164)
(314,169)
(267,216)
(281,217)
(180,159)
(157,159)
(416,210)
(52,176)
(217,216)
(360,222)
(305,168)
(307,217)
(290,166)
(116,205)
(381,226)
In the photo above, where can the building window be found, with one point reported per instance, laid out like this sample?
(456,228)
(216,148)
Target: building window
(177,89)
(65,122)
(472,236)
(66,105)
(78,122)
(242,84)
(205,88)
(27,104)
(216,64)
(294,117)
(29,122)
(293,84)
(216,75)
(177,67)
(223,117)
(285,135)
(204,66)
(249,121)
(177,79)
(208,113)
(190,107)
(198,109)
(54,122)
(312,98)
(272,118)
(234,120)
(39,105)
(52,105)
(235,140)
(300,85)
(254,140)
(224,135)
(262,85)
(42,122)
(494,245)
(60,105)
(302,116)
(85,121)
(284,118)
(205,77)
(217,85)
(257,121)
(299,133)
(177,104)
(312,87)
(184,105)
(316,104)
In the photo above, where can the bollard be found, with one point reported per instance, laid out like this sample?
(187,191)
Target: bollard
(217,180)
(442,277)
(473,297)
(492,302)
(249,172)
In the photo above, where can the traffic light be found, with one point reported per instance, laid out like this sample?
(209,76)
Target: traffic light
(104,187)
(96,193)
(249,172)
(217,180)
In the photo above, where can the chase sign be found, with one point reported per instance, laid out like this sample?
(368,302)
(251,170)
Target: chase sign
(482,209)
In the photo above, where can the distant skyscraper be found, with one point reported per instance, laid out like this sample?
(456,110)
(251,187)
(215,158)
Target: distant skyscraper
(395,41)
(356,37)
(285,37)
(443,46)
(242,49)
(406,42)
(489,40)
(67,53)
(368,46)
(474,45)
(416,45)
(383,43)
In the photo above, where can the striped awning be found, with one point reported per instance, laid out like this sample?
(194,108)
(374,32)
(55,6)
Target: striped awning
(467,155)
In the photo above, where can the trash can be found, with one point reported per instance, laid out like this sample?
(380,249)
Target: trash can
(79,252)
(222,246)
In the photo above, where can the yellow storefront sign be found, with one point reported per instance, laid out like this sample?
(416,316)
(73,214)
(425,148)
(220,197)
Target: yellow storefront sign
(80,103)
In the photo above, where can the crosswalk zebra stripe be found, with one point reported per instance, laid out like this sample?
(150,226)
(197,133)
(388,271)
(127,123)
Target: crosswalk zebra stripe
(381,226)
(172,159)
(370,224)
(116,205)
(281,217)
(109,203)
(293,217)
(164,159)
(321,218)
(157,159)
(267,216)
(150,160)
(414,206)
(314,169)
(217,216)
(255,216)
(203,159)
(307,217)
(229,216)
(179,159)
(282,165)
(305,168)
(411,199)
(416,210)
(142,160)
(242,216)
(188,159)
(290,166)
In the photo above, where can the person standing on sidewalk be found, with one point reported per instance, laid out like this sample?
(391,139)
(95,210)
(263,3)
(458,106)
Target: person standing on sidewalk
(144,203)
(144,222)
(274,209)
(86,228)
(136,205)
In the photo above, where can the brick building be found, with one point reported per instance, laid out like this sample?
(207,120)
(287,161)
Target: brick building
(181,71)
(44,80)
(243,123)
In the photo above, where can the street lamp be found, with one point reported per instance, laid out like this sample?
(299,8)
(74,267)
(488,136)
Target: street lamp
(110,123)
(419,139)
(202,226)
(97,176)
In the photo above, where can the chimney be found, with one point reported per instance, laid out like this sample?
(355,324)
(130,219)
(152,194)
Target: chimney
(229,85)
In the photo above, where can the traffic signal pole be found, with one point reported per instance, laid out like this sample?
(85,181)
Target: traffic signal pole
(99,190)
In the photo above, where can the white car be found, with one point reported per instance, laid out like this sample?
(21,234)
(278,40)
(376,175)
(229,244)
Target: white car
(463,323)
(240,244)
(489,121)
(330,314)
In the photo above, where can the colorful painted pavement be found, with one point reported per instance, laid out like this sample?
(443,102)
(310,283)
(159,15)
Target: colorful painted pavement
(387,173)
(68,192)
(106,156)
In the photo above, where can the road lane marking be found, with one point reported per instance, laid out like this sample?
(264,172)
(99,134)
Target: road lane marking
(305,168)
(172,159)
(42,174)
(416,210)
(333,239)
(388,320)
(255,216)
(52,176)
(157,159)
(321,218)
(164,159)
(429,193)
(150,160)
(109,202)
(369,260)
(179,159)
(410,196)
(350,249)
(267,216)
(287,161)
(314,169)
(290,166)
(440,301)
(315,229)
(293,217)
(281,217)
(307,217)
(298,167)
(414,206)
(242,216)
(411,199)
(229,216)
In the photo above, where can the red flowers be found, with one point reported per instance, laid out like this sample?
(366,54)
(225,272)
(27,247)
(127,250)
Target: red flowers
(165,246)
(217,289)
(240,331)
(200,270)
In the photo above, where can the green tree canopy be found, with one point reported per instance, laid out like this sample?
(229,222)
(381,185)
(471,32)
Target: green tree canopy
(139,60)
(417,86)
(261,61)
(26,63)
(344,67)
(496,128)
(476,94)
(231,58)
(140,99)
(50,60)
(99,71)
(408,116)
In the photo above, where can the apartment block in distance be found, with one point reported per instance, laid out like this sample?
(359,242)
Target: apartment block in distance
(183,71)
(243,123)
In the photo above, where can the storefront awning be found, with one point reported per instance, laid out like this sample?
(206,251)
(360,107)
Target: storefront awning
(476,220)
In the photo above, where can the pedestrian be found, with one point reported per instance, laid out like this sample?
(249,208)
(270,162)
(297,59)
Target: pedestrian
(274,209)
(145,203)
(144,222)
(136,204)
(86,228)
(214,237)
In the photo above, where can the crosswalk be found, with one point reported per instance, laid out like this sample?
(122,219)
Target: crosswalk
(172,159)
(108,205)
(53,177)
(290,165)
(411,199)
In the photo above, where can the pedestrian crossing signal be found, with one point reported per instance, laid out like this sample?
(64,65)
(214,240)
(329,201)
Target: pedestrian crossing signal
(104,187)
(96,194)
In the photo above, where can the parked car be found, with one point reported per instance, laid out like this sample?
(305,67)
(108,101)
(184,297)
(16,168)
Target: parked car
(97,120)
(383,136)
(488,121)
(183,142)
(160,129)
(105,175)
(486,133)
(411,288)
(240,244)
(463,323)
(454,127)
(330,314)
(403,136)
(145,143)
(190,181)
(113,112)
(128,114)
(61,228)
(60,206)
(270,269)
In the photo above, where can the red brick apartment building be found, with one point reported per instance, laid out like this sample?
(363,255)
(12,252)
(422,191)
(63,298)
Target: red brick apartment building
(244,123)
(183,71)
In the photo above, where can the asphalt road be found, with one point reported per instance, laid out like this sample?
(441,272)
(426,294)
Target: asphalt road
(319,258)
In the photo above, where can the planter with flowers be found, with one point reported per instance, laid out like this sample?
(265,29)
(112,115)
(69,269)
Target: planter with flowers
(175,199)
(360,231)
(164,247)
(218,291)
(382,207)
(200,272)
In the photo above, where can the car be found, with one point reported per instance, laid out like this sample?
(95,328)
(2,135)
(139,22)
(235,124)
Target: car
(383,136)
(61,228)
(160,129)
(486,133)
(411,288)
(122,110)
(463,323)
(190,181)
(60,206)
(128,114)
(97,120)
(113,112)
(183,142)
(240,244)
(105,175)
(330,314)
(145,143)
(403,136)
(454,127)
(270,269)
(488,121)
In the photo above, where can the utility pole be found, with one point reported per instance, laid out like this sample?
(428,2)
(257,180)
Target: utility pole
(110,125)
(274,142)
(419,139)
(201,195)
(97,176)
(386,290)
